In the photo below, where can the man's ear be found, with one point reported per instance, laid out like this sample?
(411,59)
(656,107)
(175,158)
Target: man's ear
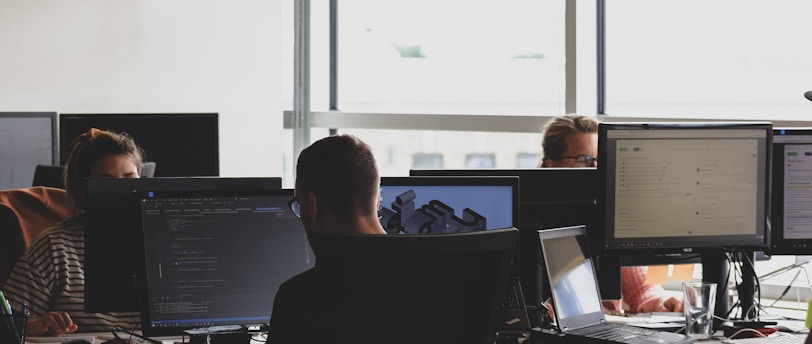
(308,206)
(550,163)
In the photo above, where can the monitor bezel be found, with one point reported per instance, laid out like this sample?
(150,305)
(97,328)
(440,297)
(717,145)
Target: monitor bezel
(682,244)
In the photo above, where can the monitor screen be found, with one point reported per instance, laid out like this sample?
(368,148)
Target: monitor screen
(27,139)
(217,258)
(792,191)
(114,244)
(681,187)
(181,145)
(434,205)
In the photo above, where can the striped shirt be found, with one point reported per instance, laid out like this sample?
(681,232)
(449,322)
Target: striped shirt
(50,276)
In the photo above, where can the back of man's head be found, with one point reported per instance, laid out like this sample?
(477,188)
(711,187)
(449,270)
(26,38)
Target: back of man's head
(341,171)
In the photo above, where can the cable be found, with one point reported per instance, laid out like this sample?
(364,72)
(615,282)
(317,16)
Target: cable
(132,334)
(786,290)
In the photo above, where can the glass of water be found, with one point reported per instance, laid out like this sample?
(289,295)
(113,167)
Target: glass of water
(699,299)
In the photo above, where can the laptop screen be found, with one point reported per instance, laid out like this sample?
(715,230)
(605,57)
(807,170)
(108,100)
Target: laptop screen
(217,257)
(569,266)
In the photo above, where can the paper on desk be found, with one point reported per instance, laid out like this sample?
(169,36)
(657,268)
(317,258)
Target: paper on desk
(657,274)
(683,272)
(665,317)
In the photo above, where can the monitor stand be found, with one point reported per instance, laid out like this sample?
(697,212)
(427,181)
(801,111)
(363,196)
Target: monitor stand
(715,268)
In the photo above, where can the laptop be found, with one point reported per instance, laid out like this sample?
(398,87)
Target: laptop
(576,296)
(511,316)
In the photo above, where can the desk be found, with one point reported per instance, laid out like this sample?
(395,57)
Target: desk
(101,337)
(538,336)
(93,337)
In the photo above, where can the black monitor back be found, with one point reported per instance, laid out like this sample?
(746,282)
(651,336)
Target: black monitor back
(548,198)
(114,242)
(437,288)
(183,144)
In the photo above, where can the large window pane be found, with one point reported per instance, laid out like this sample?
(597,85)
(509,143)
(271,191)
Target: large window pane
(726,58)
(398,151)
(451,56)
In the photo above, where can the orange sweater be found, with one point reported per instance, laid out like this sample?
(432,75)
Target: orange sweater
(36,209)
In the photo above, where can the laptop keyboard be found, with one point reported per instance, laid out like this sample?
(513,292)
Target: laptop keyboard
(614,333)
(511,300)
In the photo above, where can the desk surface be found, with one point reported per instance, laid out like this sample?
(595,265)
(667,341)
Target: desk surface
(95,338)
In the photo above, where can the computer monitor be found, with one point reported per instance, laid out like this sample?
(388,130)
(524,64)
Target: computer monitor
(434,205)
(687,188)
(548,198)
(684,187)
(27,139)
(217,258)
(114,243)
(440,288)
(791,192)
(182,144)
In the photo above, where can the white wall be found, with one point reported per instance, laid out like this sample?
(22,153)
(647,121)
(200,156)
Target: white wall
(85,56)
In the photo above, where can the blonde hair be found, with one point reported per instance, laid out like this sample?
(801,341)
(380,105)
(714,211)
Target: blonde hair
(556,131)
(85,150)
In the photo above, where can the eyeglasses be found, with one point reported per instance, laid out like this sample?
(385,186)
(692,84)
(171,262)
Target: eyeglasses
(583,159)
(294,205)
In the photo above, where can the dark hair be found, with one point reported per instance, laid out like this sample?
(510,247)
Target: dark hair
(85,150)
(341,171)
(556,131)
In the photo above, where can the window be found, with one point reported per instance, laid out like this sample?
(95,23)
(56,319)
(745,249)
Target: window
(451,56)
(725,59)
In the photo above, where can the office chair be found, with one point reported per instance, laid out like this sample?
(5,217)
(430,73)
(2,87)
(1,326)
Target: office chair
(50,176)
(440,288)
(24,214)
(148,169)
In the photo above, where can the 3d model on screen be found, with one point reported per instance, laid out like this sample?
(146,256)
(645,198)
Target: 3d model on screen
(432,218)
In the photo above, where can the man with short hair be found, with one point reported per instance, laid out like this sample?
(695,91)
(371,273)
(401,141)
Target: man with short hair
(337,192)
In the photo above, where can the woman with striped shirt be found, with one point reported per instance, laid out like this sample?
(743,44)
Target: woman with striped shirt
(49,277)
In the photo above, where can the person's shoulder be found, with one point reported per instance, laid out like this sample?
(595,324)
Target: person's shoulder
(67,228)
(304,278)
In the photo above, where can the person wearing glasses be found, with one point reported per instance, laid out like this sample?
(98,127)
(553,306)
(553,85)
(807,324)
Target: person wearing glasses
(572,141)
(337,192)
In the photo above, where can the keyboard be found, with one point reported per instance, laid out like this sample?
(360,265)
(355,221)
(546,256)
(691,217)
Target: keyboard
(614,333)
(775,338)
(511,299)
